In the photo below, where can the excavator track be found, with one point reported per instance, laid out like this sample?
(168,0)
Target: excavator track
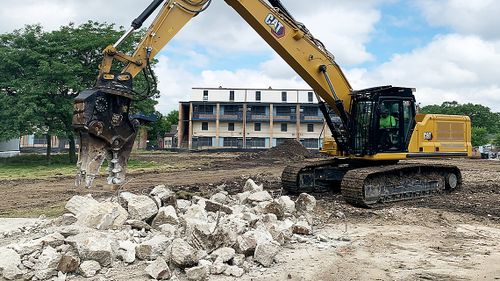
(369,186)
(300,177)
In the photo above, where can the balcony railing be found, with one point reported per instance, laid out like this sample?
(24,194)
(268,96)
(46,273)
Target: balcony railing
(311,118)
(258,117)
(203,116)
(284,118)
(231,117)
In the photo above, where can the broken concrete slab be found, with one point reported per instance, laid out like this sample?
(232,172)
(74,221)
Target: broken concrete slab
(302,227)
(47,263)
(305,203)
(159,269)
(224,253)
(197,273)
(151,249)
(182,254)
(287,204)
(94,246)
(234,270)
(89,268)
(69,263)
(252,187)
(126,251)
(260,196)
(9,262)
(213,206)
(139,207)
(166,215)
(265,253)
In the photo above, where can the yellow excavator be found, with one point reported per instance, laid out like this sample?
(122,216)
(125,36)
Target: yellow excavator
(371,129)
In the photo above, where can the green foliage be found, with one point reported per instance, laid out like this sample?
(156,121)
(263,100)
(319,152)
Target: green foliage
(164,124)
(496,140)
(481,116)
(479,136)
(41,73)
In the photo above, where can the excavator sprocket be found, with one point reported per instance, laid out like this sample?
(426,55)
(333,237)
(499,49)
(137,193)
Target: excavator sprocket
(369,186)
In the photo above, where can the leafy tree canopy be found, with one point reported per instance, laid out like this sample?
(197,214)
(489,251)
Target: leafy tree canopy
(41,72)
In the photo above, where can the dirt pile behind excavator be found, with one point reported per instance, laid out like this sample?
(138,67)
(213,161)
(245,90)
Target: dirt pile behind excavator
(288,150)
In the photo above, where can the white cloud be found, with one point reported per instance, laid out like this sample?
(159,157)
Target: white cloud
(451,67)
(480,17)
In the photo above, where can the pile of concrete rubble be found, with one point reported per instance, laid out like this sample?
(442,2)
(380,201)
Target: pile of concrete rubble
(226,234)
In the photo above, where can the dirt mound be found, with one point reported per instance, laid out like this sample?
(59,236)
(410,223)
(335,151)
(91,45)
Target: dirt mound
(289,149)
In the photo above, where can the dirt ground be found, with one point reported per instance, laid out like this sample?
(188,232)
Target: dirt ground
(448,237)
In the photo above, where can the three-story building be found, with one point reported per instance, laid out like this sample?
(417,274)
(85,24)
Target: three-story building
(249,118)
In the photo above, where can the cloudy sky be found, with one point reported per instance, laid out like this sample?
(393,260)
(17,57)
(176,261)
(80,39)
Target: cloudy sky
(447,49)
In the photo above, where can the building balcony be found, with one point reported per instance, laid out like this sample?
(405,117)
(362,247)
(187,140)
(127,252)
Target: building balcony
(311,118)
(231,117)
(257,117)
(203,116)
(285,118)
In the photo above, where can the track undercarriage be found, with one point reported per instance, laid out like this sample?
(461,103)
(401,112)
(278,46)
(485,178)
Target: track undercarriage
(366,185)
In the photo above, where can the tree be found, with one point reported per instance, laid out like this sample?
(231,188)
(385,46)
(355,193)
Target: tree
(496,140)
(479,136)
(161,127)
(46,70)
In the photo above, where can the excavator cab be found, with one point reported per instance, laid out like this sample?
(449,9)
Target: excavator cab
(383,120)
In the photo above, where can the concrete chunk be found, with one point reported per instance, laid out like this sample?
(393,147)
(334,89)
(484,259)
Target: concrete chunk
(165,215)
(224,253)
(287,204)
(9,262)
(182,254)
(94,246)
(89,268)
(305,203)
(197,273)
(152,248)
(159,269)
(252,187)
(260,196)
(140,207)
(265,253)
(47,263)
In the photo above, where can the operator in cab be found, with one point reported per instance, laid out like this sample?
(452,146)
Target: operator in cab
(386,120)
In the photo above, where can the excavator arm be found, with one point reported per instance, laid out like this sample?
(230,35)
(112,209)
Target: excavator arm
(101,114)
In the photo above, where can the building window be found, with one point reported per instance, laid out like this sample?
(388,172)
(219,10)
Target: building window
(203,109)
(232,142)
(204,141)
(280,141)
(230,126)
(257,96)
(283,96)
(231,95)
(204,126)
(310,143)
(256,142)
(310,111)
(231,109)
(205,95)
(284,127)
(283,110)
(310,97)
(257,127)
(259,110)
(310,128)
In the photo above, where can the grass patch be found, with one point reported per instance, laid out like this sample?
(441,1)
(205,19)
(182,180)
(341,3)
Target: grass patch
(51,211)
(35,166)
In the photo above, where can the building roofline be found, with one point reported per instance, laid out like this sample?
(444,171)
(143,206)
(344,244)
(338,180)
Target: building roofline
(252,89)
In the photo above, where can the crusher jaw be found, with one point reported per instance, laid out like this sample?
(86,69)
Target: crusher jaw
(105,131)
